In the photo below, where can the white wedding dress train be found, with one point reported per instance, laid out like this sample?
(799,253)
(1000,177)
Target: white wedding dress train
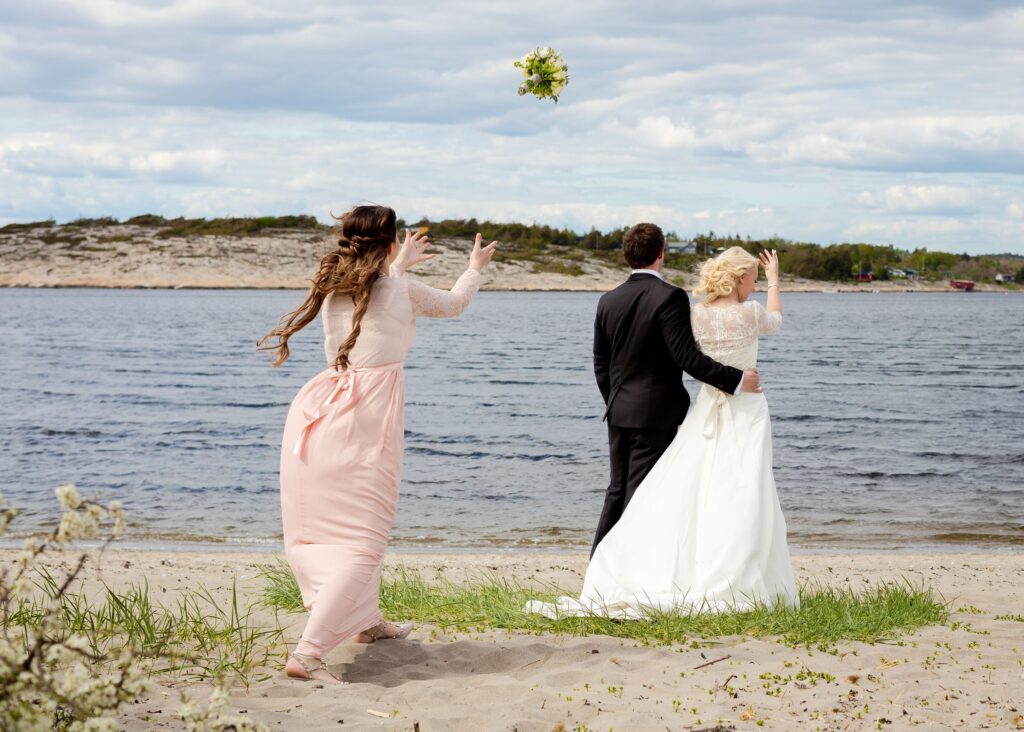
(704,531)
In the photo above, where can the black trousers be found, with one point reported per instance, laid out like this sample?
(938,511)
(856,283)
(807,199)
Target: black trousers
(633,453)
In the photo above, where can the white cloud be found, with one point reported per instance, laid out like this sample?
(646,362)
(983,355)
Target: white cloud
(662,132)
(808,120)
(61,156)
(935,230)
(953,144)
(929,199)
(867,199)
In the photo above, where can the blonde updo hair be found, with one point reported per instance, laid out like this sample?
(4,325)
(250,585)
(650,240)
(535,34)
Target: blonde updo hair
(720,275)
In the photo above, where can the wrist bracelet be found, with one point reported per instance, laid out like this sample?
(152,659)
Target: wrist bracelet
(771,286)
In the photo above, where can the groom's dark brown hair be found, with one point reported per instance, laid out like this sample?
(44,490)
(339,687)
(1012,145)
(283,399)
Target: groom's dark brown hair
(642,245)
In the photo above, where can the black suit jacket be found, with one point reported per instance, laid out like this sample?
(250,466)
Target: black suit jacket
(642,344)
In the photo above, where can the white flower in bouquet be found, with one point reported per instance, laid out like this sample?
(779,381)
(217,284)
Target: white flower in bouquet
(546,73)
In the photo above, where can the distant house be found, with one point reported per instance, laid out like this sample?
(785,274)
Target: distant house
(904,273)
(1004,279)
(866,277)
(680,247)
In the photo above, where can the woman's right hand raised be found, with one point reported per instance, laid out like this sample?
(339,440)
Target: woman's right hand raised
(480,257)
(770,263)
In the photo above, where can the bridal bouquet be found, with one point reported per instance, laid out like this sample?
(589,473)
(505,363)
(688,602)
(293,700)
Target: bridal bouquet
(546,73)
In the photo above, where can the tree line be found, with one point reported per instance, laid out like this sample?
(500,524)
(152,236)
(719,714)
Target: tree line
(845,261)
(833,262)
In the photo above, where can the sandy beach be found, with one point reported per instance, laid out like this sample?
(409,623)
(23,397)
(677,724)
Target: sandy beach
(966,675)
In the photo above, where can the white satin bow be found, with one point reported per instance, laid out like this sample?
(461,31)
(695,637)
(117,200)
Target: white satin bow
(719,411)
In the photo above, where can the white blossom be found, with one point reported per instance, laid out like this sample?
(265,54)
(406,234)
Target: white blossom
(68,496)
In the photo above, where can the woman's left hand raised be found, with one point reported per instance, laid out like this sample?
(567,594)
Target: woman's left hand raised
(412,251)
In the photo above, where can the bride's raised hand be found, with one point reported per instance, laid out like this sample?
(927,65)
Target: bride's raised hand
(770,263)
(480,257)
(412,251)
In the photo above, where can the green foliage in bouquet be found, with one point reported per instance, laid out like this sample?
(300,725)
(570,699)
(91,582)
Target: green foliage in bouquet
(546,73)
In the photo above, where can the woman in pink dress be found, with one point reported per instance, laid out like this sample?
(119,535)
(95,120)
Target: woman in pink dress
(341,457)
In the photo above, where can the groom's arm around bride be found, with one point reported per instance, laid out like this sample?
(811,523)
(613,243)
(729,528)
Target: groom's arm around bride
(642,344)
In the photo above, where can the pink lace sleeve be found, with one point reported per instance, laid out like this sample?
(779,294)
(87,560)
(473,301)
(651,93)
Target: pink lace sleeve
(434,303)
(767,323)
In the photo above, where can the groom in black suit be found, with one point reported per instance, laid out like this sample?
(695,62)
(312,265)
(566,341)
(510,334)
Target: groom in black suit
(642,345)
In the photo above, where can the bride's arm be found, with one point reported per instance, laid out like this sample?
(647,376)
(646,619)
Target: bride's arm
(770,263)
(768,321)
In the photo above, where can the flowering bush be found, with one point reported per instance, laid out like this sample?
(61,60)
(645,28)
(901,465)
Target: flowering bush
(52,678)
(213,718)
(47,678)
(546,73)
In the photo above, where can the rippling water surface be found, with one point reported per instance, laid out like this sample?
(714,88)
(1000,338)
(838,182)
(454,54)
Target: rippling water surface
(898,419)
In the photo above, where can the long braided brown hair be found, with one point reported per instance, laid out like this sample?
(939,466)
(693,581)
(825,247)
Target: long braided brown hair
(351,269)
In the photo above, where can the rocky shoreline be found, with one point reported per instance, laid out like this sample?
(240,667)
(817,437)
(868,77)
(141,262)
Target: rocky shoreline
(127,256)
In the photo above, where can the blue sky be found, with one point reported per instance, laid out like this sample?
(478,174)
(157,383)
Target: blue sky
(874,121)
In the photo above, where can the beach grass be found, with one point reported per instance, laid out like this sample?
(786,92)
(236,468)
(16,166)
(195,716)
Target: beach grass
(558,266)
(198,636)
(827,615)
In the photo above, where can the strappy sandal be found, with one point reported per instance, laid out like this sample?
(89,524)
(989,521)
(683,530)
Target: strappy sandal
(384,631)
(310,667)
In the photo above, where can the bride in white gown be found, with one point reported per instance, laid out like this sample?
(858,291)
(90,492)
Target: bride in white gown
(704,530)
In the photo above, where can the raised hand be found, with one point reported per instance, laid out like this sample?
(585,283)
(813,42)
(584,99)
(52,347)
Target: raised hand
(480,257)
(770,263)
(412,251)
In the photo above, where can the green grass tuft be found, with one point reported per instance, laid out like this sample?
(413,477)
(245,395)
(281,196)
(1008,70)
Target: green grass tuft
(87,223)
(236,226)
(826,615)
(558,266)
(280,590)
(14,228)
(198,637)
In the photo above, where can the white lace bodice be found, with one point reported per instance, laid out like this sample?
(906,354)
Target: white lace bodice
(729,333)
(388,329)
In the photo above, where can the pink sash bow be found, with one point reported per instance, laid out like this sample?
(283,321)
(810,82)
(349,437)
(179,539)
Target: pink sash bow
(344,383)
